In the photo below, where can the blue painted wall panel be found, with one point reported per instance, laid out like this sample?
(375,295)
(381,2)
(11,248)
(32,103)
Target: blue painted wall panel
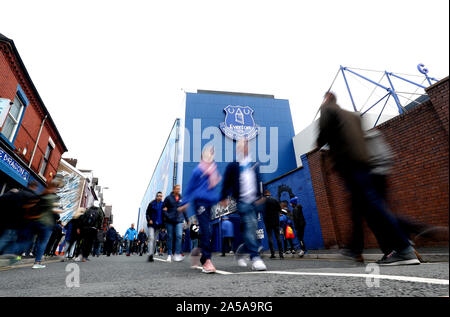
(301,185)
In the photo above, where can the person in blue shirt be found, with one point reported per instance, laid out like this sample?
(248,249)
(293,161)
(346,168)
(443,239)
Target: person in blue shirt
(154,223)
(285,221)
(227,236)
(201,194)
(130,236)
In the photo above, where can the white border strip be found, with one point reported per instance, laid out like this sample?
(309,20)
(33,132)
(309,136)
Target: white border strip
(372,276)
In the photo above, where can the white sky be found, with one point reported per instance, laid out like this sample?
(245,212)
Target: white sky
(111,73)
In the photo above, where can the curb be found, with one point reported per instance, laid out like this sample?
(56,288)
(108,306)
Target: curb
(427,257)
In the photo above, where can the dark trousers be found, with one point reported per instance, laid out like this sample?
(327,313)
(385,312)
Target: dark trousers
(109,244)
(205,233)
(368,204)
(290,242)
(227,244)
(270,230)
(88,235)
(300,233)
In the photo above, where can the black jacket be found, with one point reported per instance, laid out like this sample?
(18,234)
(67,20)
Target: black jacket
(299,219)
(231,184)
(272,212)
(172,215)
(111,234)
(142,237)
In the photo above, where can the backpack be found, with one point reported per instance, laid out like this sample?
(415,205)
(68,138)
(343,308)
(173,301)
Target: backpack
(289,233)
(89,218)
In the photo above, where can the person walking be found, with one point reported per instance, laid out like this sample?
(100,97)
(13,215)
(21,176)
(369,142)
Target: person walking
(342,131)
(141,241)
(201,194)
(55,237)
(154,223)
(173,220)
(162,241)
(99,242)
(242,183)
(286,225)
(227,236)
(271,217)
(42,221)
(129,237)
(111,237)
(90,223)
(299,224)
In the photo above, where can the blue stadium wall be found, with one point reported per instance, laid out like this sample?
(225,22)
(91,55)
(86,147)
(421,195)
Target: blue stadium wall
(299,184)
(268,112)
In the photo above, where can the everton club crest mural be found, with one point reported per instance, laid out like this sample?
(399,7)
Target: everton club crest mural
(239,123)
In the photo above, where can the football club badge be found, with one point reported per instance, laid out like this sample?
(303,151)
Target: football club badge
(239,123)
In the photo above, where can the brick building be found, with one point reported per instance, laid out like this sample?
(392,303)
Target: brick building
(417,188)
(30,144)
(419,184)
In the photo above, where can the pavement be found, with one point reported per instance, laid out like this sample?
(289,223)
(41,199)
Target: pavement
(292,277)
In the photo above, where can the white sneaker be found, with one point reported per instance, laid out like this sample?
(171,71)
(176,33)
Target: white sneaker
(169,258)
(77,259)
(258,264)
(178,258)
(38,266)
(301,253)
(242,262)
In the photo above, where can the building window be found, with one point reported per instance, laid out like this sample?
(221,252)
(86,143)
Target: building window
(13,119)
(45,159)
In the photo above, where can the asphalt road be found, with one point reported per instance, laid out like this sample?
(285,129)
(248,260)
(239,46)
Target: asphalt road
(292,277)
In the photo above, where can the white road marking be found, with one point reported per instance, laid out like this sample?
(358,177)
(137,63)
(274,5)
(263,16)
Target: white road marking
(372,276)
(386,277)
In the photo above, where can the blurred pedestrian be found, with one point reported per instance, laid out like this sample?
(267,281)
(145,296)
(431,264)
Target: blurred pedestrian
(99,243)
(242,183)
(342,131)
(201,193)
(162,241)
(42,221)
(141,241)
(271,217)
(173,220)
(90,223)
(286,225)
(154,218)
(299,224)
(227,236)
(111,237)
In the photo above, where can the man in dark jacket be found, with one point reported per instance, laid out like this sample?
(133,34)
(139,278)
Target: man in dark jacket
(242,182)
(111,237)
(174,223)
(141,241)
(272,223)
(342,131)
(91,221)
(299,223)
(154,223)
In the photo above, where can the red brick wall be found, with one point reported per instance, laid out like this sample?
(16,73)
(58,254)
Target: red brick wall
(10,75)
(419,184)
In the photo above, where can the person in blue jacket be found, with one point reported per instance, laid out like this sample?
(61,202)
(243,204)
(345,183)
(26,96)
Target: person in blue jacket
(201,193)
(227,235)
(173,220)
(130,236)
